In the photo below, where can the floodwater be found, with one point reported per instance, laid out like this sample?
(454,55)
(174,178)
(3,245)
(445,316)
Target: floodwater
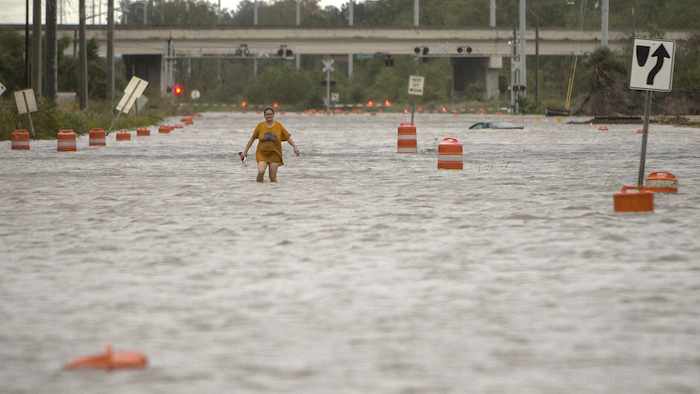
(361,270)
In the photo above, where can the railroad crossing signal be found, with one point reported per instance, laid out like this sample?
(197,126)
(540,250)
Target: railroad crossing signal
(328,65)
(652,74)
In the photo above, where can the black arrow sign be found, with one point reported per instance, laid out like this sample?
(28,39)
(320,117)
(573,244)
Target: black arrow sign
(660,54)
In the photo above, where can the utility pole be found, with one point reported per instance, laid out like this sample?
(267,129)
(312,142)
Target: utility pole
(492,14)
(416,13)
(605,15)
(51,58)
(255,13)
(36,49)
(351,13)
(82,62)
(522,49)
(298,12)
(110,52)
(27,70)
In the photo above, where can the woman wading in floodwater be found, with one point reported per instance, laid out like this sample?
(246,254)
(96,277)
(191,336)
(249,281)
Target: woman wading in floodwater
(270,135)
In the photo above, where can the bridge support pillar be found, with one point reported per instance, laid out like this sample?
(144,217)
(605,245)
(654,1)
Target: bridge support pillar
(149,68)
(476,77)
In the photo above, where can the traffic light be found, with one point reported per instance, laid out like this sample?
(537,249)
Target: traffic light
(284,51)
(464,50)
(421,51)
(178,90)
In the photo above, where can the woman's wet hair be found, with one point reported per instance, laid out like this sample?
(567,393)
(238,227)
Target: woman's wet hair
(269,109)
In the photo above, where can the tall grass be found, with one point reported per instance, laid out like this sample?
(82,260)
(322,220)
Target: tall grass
(50,118)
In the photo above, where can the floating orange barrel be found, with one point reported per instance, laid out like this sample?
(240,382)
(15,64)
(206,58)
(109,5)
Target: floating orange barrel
(97,137)
(65,141)
(143,132)
(165,129)
(662,182)
(450,154)
(633,199)
(123,135)
(20,139)
(187,120)
(406,139)
(110,360)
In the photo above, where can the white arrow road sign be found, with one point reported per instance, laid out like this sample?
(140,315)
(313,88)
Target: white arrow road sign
(2,89)
(415,85)
(652,65)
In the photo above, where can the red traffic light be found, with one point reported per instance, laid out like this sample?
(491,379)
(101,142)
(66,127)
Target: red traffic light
(178,89)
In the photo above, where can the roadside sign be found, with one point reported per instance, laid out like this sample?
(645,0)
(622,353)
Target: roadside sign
(195,94)
(415,85)
(2,89)
(133,91)
(26,102)
(335,97)
(652,74)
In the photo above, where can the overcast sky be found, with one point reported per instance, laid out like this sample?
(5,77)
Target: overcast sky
(12,11)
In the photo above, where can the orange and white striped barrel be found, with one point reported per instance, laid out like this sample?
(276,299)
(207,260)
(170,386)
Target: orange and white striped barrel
(97,137)
(450,154)
(406,139)
(165,129)
(65,141)
(662,182)
(187,120)
(143,132)
(123,135)
(20,139)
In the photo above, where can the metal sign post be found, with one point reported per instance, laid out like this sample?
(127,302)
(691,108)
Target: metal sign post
(26,104)
(327,68)
(133,90)
(415,88)
(650,75)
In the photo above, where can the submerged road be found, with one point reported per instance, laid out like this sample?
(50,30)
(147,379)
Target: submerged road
(361,271)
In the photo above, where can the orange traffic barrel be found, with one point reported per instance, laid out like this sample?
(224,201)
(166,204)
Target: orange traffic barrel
(20,139)
(187,120)
(97,137)
(406,139)
(633,199)
(110,360)
(66,141)
(143,132)
(123,135)
(165,129)
(662,182)
(450,154)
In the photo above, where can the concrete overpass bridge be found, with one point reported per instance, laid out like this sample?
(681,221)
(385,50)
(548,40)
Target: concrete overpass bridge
(148,49)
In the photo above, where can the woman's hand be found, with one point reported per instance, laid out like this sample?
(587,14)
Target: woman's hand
(296,151)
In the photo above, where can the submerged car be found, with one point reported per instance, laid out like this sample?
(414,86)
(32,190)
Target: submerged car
(495,125)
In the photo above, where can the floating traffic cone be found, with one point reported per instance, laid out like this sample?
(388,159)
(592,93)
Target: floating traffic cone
(97,137)
(450,154)
(662,182)
(20,139)
(633,199)
(110,360)
(123,135)
(406,140)
(65,141)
